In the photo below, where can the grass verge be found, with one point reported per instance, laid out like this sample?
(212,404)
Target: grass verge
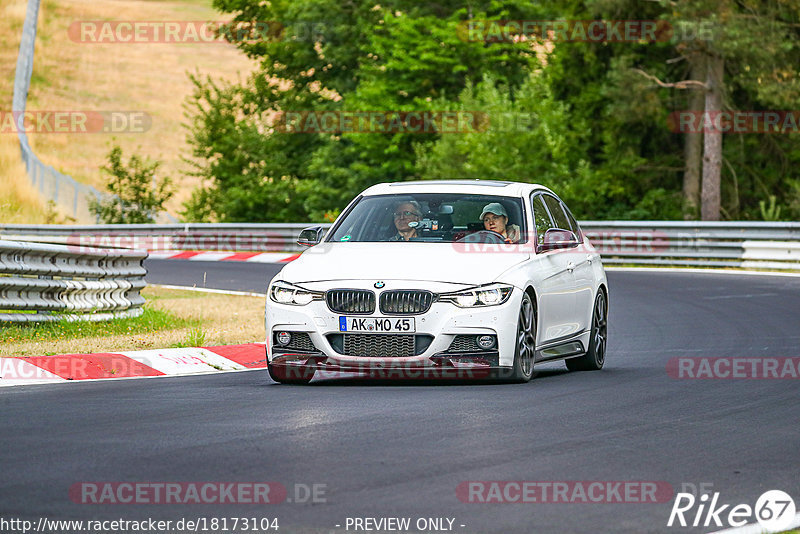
(171,318)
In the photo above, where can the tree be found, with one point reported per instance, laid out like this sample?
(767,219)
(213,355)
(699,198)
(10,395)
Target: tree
(755,44)
(528,137)
(710,196)
(605,104)
(616,120)
(693,144)
(135,194)
(352,56)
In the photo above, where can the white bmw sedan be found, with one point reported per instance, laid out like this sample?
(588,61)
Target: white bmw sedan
(440,279)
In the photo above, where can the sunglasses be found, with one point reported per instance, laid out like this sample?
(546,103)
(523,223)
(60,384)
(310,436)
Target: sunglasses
(399,214)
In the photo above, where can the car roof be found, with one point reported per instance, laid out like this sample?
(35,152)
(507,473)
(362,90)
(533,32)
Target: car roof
(486,187)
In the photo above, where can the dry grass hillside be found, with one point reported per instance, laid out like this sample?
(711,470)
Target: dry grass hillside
(70,75)
(19,202)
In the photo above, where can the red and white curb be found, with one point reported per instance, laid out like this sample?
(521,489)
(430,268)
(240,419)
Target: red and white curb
(134,364)
(205,255)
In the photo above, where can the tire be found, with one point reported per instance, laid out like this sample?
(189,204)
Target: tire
(595,357)
(297,375)
(525,353)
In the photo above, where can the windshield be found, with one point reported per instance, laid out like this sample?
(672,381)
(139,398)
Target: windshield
(432,217)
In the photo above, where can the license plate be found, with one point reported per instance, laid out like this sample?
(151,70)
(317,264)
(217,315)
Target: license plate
(382,325)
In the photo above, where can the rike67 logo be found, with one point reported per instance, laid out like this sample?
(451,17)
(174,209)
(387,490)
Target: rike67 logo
(774,511)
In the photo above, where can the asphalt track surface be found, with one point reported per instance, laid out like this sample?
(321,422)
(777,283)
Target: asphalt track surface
(400,449)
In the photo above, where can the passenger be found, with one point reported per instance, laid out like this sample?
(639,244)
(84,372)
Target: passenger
(495,219)
(404,213)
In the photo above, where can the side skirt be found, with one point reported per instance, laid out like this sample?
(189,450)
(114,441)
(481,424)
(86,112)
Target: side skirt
(562,349)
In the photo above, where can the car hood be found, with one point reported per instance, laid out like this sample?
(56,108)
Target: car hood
(435,262)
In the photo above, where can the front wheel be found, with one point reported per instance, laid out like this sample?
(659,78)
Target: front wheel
(526,341)
(595,357)
(290,374)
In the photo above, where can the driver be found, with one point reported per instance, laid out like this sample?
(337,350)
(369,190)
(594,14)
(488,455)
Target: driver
(495,219)
(404,213)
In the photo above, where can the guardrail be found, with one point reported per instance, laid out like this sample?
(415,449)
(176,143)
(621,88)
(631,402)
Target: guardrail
(261,237)
(43,282)
(764,245)
(748,245)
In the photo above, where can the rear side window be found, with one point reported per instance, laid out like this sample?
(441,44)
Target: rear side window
(541,218)
(559,217)
(574,224)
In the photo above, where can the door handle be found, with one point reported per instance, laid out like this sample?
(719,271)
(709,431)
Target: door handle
(570,266)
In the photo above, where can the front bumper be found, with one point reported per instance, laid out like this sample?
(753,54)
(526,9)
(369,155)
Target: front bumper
(439,327)
(462,368)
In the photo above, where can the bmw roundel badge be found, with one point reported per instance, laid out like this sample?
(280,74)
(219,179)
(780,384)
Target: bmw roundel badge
(379,284)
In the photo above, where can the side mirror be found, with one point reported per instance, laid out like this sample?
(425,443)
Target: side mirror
(310,236)
(556,238)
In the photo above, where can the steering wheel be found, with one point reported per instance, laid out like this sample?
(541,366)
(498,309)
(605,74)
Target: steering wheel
(484,236)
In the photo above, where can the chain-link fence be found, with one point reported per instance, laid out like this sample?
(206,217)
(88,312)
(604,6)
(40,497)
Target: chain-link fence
(69,195)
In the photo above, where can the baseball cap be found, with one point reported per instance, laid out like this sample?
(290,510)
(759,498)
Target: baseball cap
(494,207)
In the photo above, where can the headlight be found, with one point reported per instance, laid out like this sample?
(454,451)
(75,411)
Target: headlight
(286,293)
(490,295)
